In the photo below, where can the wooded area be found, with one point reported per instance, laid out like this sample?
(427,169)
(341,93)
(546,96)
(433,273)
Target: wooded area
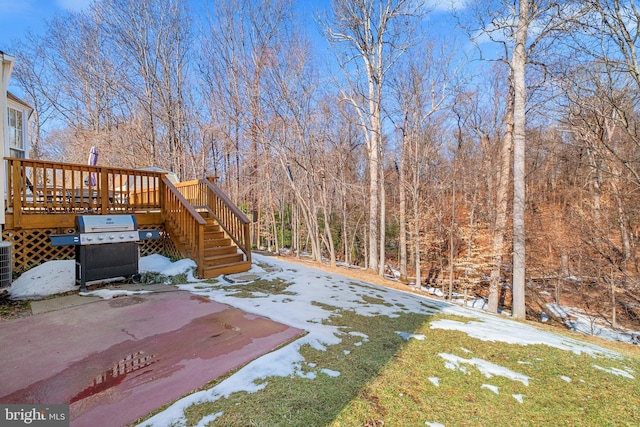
(387,142)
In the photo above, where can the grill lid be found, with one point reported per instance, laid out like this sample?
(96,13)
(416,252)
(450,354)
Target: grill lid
(105,223)
(103,229)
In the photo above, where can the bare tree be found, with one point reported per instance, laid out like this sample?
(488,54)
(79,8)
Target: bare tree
(526,30)
(423,87)
(29,73)
(155,37)
(371,36)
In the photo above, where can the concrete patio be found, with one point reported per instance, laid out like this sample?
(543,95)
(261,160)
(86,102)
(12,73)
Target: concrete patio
(116,360)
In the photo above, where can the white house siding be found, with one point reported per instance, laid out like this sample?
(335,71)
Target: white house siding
(5,75)
(15,130)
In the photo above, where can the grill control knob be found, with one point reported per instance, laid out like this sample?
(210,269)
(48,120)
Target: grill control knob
(111,237)
(149,235)
(89,239)
(100,237)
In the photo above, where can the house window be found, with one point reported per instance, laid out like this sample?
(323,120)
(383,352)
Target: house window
(16,133)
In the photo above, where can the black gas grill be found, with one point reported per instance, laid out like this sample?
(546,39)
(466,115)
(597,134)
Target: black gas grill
(106,246)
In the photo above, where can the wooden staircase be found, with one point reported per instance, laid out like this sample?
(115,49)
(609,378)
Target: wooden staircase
(221,254)
(207,227)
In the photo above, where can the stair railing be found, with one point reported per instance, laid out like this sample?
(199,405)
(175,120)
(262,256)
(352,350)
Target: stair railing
(227,214)
(182,219)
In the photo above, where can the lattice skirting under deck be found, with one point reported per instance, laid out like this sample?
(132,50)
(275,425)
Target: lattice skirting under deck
(31,247)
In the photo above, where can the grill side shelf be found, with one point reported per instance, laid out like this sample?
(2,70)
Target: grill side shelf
(64,239)
(148,234)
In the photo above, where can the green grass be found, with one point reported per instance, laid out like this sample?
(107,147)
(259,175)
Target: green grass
(403,395)
(385,379)
(300,401)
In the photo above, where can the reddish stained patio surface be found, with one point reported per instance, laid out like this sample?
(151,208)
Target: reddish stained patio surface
(115,361)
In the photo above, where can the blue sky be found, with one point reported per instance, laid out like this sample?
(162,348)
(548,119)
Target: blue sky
(19,16)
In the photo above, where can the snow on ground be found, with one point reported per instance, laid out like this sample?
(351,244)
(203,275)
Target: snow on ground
(50,278)
(493,388)
(57,277)
(306,305)
(406,336)
(111,293)
(579,320)
(163,265)
(497,329)
(486,368)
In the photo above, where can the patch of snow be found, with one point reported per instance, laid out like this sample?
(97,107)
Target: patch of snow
(591,324)
(330,372)
(308,375)
(209,419)
(50,278)
(518,397)
(486,368)
(111,293)
(433,424)
(406,336)
(615,371)
(478,304)
(160,264)
(435,381)
(493,388)
(433,291)
(565,378)
(495,329)
(364,337)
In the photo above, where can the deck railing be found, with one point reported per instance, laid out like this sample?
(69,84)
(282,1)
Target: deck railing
(183,221)
(37,186)
(205,194)
(44,187)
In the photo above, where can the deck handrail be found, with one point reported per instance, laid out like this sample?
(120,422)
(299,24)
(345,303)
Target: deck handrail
(229,216)
(205,194)
(182,219)
(40,186)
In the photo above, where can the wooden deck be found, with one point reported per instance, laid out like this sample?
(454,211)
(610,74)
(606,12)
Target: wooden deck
(46,197)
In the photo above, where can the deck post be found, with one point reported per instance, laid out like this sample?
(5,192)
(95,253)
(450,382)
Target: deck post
(17,192)
(104,191)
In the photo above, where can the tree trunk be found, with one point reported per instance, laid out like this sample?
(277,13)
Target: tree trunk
(374,204)
(451,231)
(383,213)
(501,208)
(614,320)
(403,214)
(519,140)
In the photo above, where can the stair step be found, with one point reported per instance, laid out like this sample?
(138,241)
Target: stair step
(220,250)
(235,267)
(210,243)
(216,234)
(212,261)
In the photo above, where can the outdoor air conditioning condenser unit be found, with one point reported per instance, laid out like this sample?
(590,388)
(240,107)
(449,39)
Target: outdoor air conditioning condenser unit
(5,264)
